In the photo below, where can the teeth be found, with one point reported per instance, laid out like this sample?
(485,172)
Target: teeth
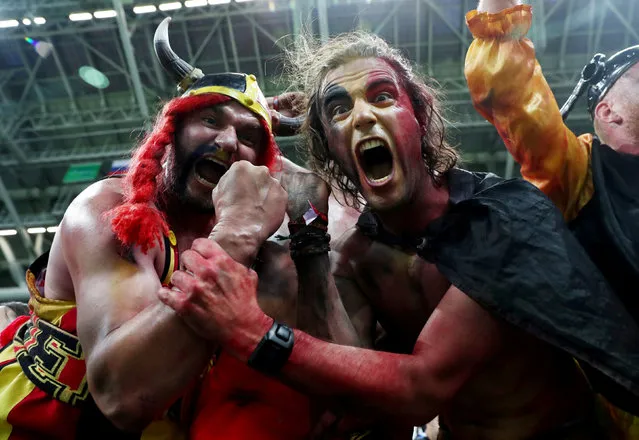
(373,143)
(217,161)
(381,180)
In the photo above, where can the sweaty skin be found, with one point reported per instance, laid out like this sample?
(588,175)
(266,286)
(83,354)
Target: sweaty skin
(483,377)
(522,388)
(122,326)
(128,335)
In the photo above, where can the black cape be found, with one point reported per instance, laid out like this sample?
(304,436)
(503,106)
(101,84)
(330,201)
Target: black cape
(505,244)
(608,226)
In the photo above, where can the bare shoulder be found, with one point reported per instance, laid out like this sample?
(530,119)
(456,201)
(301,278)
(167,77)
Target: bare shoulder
(89,207)
(110,283)
(85,235)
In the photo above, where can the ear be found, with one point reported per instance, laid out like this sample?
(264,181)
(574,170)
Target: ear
(605,113)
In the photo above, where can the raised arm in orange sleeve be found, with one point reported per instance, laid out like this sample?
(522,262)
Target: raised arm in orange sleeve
(508,89)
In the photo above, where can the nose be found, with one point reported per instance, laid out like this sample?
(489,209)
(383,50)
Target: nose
(226,139)
(363,116)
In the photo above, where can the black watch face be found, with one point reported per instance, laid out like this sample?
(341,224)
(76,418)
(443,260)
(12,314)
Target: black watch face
(273,350)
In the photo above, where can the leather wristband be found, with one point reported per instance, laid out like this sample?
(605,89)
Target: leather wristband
(273,351)
(309,241)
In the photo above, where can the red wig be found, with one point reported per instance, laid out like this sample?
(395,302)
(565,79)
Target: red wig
(138,221)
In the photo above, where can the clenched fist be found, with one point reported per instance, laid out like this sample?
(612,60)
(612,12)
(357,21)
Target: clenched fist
(288,104)
(287,113)
(303,187)
(248,199)
(215,295)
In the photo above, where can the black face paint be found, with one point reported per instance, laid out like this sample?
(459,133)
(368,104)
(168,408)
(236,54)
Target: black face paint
(184,167)
(332,95)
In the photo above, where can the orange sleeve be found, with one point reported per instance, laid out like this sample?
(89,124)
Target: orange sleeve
(509,90)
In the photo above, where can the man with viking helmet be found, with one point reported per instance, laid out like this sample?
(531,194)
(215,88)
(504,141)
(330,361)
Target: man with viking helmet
(98,342)
(593,179)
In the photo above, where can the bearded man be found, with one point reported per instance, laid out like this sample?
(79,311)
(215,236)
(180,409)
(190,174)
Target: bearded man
(98,340)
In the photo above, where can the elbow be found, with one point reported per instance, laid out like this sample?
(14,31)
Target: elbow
(427,395)
(124,412)
(422,409)
(124,409)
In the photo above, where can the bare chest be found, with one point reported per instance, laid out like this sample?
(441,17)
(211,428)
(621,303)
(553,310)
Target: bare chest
(277,288)
(402,288)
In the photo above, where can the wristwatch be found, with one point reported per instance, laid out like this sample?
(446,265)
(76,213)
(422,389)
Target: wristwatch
(273,351)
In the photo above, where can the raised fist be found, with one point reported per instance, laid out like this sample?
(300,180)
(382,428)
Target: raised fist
(247,197)
(303,187)
(290,104)
(287,113)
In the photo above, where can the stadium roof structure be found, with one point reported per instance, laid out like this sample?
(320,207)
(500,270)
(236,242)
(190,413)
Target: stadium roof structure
(53,120)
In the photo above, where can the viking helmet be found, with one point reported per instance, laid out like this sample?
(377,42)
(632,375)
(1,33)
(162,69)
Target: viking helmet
(191,81)
(599,75)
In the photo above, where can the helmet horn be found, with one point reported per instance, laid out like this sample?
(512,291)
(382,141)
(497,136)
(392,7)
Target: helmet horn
(181,71)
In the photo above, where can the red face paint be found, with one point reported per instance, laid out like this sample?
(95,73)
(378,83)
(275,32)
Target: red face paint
(372,131)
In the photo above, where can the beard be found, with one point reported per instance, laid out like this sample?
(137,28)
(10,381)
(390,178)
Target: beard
(179,169)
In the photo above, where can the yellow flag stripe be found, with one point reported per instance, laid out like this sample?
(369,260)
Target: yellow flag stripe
(14,386)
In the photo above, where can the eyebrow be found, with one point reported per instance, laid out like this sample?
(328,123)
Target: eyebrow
(381,82)
(223,110)
(215,110)
(249,125)
(334,93)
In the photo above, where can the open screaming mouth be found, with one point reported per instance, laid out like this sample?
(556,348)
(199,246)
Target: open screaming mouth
(376,160)
(210,170)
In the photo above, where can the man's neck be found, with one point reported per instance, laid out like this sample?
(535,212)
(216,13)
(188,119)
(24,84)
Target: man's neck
(187,223)
(413,217)
(627,148)
(621,142)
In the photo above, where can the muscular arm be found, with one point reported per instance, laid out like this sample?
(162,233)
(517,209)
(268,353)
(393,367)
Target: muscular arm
(509,90)
(129,337)
(320,311)
(454,343)
(355,303)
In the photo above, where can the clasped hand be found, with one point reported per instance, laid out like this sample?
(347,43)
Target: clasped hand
(214,294)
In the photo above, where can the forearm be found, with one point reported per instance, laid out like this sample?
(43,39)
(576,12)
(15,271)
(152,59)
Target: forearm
(127,369)
(363,381)
(514,96)
(239,242)
(320,311)
(127,372)
(366,382)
